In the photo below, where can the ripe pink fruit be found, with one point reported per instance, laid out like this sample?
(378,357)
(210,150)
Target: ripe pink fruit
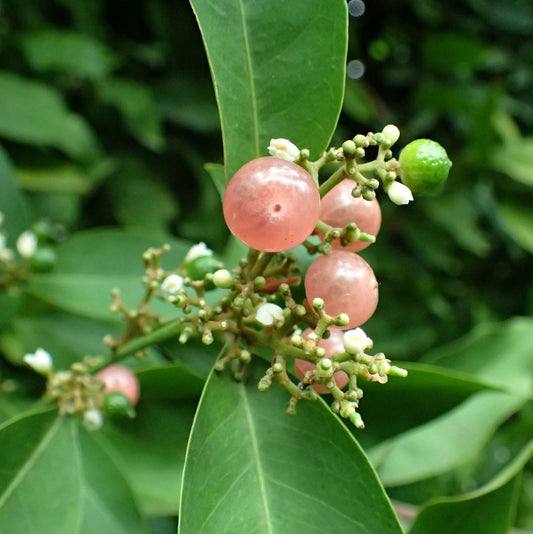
(271,204)
(121,379)
(346,283)
(338,208)
(332,345)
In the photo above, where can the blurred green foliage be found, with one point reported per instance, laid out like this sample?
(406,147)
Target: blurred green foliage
(108,118)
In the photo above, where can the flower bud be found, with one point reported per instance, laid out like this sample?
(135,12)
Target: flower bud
(196,251)
(27,244)
(93,419)
(399,193)
(223,278)
(284,149)
(172,283)
(268,313)
(40,361)
(391,133)
(356,341)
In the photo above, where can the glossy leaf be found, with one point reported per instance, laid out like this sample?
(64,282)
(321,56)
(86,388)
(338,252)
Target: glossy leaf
(53,468)
(36,114)
(444,443)
(92,263)
(516,160)
(252,468)
(278,69)
(488,510)
(170,382)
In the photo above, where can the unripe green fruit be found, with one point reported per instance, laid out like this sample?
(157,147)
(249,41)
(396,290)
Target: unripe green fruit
(202,265)
(424,166)
(116,404)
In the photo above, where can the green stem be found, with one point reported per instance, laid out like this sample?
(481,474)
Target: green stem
(170,330)
(337,177)
(261,264)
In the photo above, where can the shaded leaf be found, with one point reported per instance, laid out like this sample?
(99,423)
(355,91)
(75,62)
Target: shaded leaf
(239,479)
(517,220)
(92,263)
(67,51)
(488,510)
(515,160)
(36,114)
(136,104)
(255,49)
(444,443)
(170,382)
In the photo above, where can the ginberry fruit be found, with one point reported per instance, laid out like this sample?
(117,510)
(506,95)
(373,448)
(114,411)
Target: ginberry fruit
(339,207)
(271,204)
(424,165)
(346,284)
(116,404)
(122,380)
(332,345)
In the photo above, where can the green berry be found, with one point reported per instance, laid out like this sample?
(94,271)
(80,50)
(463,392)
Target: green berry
(202,265)
(116,404)
(424,166)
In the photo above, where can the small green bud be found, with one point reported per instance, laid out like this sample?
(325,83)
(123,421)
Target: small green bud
(116,404)
(223,278)
(356,419)
(349,148)
(324,368)
(245,356)
(342,319)
(207,337)
(277,368)
(391,133)
(318,304)
(361,140)
(259,282)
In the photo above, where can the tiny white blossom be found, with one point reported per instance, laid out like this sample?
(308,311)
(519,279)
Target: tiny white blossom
(399,193)
(40,361)
(356,341)
(93,419)
(27,243)
(284,149)
(196,251)
(172,283)
(268,313)
(391,133)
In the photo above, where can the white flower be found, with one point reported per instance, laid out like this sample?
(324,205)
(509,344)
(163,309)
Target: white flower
(391,133)
(400,194)
(40,361)
(93,419)
(284,149)
(27,243)
(356,341)
(196,251)
(267,313)
(172,283)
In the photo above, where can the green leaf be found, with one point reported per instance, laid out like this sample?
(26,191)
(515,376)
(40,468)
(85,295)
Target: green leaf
(92,263)
(251,468)
(515,160)
(53,468)
(68,338)
(64,178)
(517,220)
(500,354)
(66,51)
(488,510)
(36,114)
(278,69)
(444,443)
(150,451)
(170,382)
(12,204)
(136,104)
(216,172)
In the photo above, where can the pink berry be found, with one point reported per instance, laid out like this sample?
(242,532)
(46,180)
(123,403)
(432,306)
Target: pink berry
(339,207)
(271,204)
(346,283)
(121,379)
(332,345)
